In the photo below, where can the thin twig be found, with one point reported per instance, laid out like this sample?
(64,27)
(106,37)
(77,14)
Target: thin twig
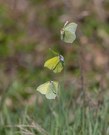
(82,75)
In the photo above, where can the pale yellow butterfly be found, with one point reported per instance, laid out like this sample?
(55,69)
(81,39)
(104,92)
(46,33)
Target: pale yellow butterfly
(49,89)
(68,32)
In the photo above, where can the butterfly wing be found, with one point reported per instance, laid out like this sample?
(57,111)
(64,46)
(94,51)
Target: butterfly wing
(50,94)
(54,64)
(51,63)
(68,33)
(71,27)
(52,90)
(69,37)
(43,88)
(58,68)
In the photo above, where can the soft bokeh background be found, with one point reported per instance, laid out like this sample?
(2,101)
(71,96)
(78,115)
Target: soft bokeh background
(28,28)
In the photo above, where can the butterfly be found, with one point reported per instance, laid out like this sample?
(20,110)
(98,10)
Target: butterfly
(49,89)
(68,32)
(55,64)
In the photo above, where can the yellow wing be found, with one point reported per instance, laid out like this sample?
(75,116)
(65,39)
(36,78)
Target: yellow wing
(52,90)
(52,63)
(68,33)
(43,88)
(58,68)
(55,64)
(49,89)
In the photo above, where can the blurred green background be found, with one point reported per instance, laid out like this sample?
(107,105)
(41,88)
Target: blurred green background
(28,28)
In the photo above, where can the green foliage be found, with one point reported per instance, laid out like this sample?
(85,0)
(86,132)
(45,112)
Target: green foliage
(56,117)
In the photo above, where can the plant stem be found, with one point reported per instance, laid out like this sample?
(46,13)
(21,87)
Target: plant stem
(80,60)
(80,53)
(4,96)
